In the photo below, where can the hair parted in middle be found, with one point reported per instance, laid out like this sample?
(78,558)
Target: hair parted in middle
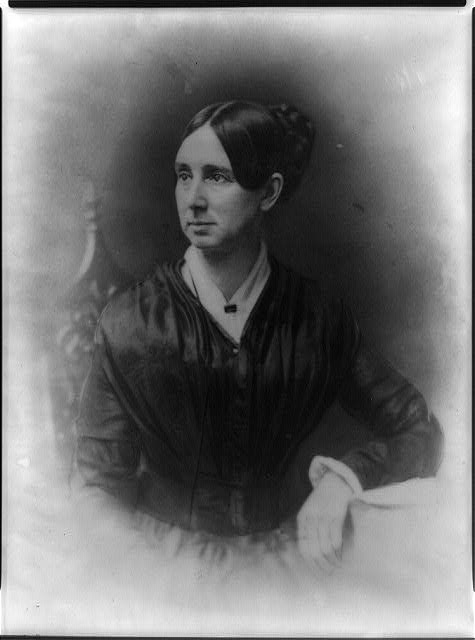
(260,140)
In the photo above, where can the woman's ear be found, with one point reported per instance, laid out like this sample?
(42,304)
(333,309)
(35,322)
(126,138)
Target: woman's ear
(272,192)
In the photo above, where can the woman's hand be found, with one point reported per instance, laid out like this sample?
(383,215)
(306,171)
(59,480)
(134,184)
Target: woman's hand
(320,521)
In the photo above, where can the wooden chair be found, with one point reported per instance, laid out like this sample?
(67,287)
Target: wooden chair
(97,280)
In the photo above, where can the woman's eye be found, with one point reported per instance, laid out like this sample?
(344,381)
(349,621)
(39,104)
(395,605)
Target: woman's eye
(183,176)
(218,178)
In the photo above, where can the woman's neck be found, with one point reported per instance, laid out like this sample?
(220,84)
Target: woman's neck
(229,269)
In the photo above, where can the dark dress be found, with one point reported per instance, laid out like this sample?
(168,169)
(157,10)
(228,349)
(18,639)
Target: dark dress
(181,422)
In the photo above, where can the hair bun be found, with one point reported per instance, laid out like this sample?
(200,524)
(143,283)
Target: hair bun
(299,134)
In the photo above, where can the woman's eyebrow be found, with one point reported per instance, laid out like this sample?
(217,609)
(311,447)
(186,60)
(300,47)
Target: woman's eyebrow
(181,165)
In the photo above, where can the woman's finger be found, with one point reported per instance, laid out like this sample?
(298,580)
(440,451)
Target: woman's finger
(316,555)
(304,543)
(336,536)
(326,547)
(309,547)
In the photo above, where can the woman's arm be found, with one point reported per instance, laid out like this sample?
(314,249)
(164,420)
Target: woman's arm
(406,442)
(407,439)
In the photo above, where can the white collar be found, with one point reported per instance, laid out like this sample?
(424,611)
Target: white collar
(212,298)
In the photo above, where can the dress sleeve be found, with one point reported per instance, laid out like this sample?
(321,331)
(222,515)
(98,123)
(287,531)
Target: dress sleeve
(406,438)
(107,448)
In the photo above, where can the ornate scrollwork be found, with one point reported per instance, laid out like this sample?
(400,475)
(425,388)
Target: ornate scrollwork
(97,280)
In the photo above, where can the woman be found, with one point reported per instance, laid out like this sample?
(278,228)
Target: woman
(209,376)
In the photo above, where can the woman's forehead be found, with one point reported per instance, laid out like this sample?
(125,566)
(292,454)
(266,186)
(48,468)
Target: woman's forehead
(202,147)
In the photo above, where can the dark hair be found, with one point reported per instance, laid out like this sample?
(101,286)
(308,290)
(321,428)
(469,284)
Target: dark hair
(260,140)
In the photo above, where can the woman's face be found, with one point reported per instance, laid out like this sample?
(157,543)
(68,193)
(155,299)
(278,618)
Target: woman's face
(215,211)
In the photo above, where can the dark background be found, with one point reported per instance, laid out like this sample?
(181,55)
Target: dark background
(382,215)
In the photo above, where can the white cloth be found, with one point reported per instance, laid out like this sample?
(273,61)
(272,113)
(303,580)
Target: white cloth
(213,300)
(321,464)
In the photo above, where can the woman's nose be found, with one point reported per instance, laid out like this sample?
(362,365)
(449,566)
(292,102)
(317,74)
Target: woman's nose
(197,196)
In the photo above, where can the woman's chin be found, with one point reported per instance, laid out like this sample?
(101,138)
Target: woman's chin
(204,240)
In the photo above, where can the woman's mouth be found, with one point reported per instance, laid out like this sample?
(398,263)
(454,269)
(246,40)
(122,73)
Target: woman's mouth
(194,223)
(199,228)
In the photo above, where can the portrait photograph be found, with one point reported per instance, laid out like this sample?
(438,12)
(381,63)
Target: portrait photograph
(237,322)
